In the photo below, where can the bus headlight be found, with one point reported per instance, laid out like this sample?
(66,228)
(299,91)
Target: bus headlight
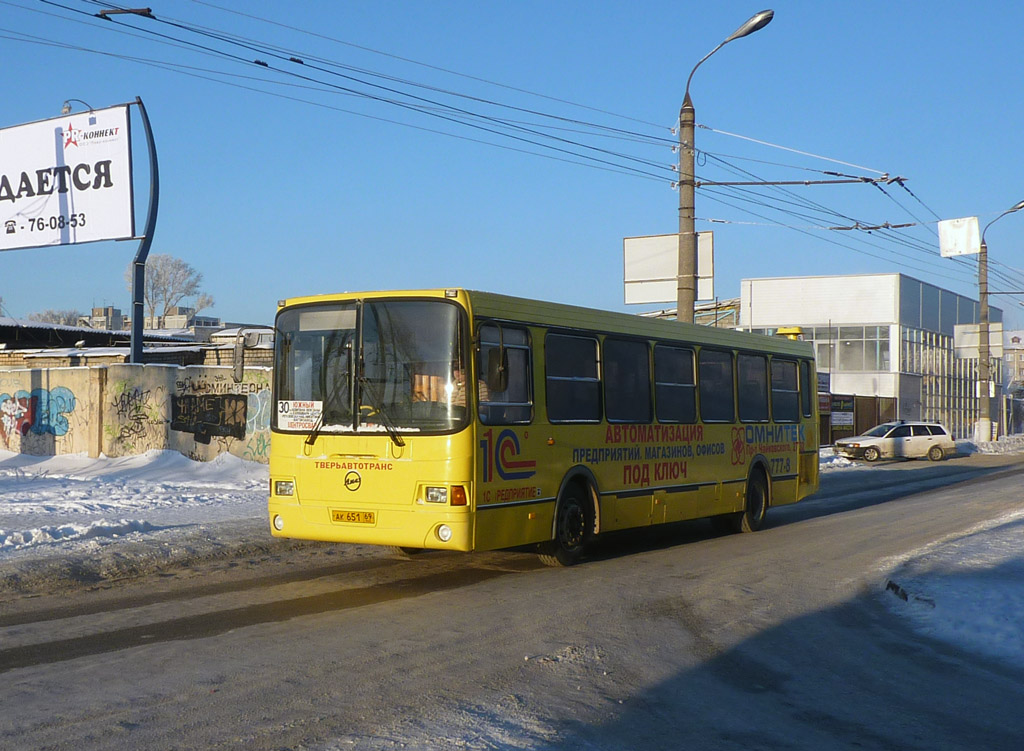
(444,533)
(284,487)
(437,495)
(278,522)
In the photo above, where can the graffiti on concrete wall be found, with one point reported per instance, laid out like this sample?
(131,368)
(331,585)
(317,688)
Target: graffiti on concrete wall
(257,427)
(129,409)
(206,415)
(213,405)
(136,415)
(216,384)
(40,411)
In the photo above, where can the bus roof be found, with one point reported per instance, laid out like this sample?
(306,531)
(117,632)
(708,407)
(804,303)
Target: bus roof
(559,315)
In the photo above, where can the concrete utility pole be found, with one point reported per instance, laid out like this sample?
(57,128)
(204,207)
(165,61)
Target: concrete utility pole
(983,430)
(686,277)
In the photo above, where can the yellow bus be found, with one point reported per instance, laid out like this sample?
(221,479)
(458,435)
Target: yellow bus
(461,420)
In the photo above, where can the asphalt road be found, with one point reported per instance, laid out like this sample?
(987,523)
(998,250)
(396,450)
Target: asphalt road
(675,638)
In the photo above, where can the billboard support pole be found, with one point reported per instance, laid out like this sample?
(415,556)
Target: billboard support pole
(139,265)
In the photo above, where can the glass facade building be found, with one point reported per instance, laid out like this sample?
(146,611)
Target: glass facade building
(885,335)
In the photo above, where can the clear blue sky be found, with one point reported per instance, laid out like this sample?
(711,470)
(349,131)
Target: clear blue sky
(271,197)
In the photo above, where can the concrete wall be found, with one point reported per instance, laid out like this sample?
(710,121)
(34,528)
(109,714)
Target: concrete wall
(120,410)
(41,411)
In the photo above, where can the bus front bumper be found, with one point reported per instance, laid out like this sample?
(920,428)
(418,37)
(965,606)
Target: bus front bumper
(415,527)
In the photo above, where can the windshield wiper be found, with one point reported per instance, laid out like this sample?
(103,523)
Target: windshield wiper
(378,405)
(315,432)
(333,396)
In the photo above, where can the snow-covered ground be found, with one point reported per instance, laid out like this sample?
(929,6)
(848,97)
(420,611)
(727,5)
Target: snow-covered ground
(62,500)
(968,591)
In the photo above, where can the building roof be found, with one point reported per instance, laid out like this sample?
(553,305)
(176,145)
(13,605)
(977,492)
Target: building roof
(18,333)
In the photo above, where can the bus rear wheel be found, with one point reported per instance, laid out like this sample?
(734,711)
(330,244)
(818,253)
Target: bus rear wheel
(751,518)
(571,524)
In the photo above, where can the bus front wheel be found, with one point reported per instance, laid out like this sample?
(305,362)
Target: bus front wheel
(404,552)
(571,524)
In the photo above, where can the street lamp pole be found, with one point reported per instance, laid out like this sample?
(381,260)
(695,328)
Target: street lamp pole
(983,431)
(686,276)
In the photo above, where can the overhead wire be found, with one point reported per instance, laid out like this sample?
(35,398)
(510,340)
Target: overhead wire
(196,72)
(454,114)
(811,205)
(817,207)
(994,273)
(428,65)
(786,202)
(829,238)
(418,107)
(837,243)
(792,150)
(778,164)
(304,58)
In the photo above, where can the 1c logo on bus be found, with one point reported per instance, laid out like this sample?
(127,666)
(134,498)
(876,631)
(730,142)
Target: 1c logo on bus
(502,455)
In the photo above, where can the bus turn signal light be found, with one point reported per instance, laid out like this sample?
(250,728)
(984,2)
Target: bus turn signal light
(458,495)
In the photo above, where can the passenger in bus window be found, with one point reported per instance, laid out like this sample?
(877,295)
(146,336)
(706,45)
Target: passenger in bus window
(458,396)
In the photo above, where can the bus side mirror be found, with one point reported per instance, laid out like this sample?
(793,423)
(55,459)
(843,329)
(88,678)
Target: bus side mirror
(497,369)
(243,340)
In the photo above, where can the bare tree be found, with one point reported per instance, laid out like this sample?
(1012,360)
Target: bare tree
(63,317)
(170,280)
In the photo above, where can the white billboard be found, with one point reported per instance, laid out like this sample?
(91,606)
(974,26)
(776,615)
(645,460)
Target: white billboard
(959,237)
(66,180)
(651,263)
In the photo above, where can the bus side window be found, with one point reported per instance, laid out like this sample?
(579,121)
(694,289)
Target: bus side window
(675,396)
(508,348)
(573,383)
(806,394)
(753,387)
(784,391)
(627,381)
(715,384)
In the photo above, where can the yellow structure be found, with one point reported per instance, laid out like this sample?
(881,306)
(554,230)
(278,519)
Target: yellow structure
(790,332)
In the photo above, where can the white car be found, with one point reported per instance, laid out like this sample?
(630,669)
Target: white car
(898,440)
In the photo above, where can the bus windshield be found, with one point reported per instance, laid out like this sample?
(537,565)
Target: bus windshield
(394,366)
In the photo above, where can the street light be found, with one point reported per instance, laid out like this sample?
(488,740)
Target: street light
(983,431)
(686,277)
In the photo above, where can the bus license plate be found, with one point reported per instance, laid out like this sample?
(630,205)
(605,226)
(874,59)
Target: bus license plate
(353,517)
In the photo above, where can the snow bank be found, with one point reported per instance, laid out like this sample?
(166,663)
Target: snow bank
(68,532)
(56,503)
(1007,444)
(968,591)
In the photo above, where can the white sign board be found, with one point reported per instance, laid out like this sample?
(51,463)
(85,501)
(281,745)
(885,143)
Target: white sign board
(651,265)
(66,180)
(991,389)
(824,382)
(842,419)
(298,415)
(959,237)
